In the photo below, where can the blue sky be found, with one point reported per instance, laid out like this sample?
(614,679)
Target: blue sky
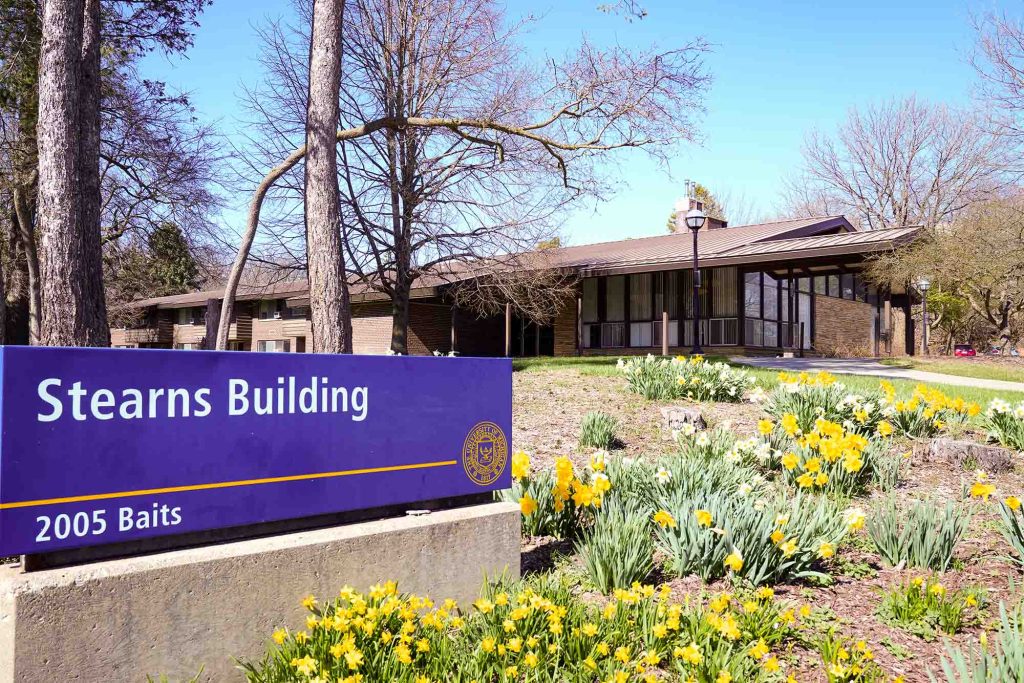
(779,69)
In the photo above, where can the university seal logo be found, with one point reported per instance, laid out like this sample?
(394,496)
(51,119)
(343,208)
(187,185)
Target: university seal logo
(485,453)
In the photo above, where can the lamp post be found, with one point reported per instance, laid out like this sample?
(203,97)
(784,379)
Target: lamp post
(923,285)
(695,219)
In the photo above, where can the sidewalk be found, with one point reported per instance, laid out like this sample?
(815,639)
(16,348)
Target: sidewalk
(869,366)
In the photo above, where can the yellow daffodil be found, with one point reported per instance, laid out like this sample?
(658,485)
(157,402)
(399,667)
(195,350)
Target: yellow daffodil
(664,519)
(1012,502)
(527,505)
(733,561)
(703,517)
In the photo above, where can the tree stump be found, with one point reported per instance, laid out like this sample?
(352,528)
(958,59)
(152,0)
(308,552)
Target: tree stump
(674,418)
(970,455)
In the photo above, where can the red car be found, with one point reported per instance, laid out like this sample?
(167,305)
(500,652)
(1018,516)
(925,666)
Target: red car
(964,351)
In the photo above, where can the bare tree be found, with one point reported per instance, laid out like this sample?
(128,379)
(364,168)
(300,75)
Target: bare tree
(979,257)
(904,162)
(453,150)
(999,62)
(328,285)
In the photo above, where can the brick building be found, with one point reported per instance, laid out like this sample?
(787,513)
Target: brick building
(793,285)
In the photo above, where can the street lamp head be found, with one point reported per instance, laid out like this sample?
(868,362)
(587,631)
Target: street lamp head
(695,219)
(924,284)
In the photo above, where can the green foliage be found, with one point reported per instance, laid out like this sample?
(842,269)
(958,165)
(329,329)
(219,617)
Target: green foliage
(810,397)
(923,607)
(923,535)
(172,267)
(537,630)
(774,541)
(1002,661)
(659,379)
(617,550)
(848,662)
(1011,526)
(1005,424)
(598,430)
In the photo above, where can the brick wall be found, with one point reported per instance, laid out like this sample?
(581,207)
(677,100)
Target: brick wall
(843,327)
(430,328)
(565,330)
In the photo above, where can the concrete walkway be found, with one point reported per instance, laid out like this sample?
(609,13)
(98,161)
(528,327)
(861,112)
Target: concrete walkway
(868,366)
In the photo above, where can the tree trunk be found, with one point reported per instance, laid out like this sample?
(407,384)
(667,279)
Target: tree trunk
(71,294)
(400,318)
(96,327)
(328,285)
(27,239)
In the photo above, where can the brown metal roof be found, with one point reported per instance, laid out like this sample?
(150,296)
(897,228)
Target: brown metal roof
(853,242)
(678,247)
(797,238)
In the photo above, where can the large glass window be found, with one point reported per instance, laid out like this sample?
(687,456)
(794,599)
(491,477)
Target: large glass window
(770,297)
(667,285)
(723,292)
(752,295)
(615,298)
(590,300)
(640,297)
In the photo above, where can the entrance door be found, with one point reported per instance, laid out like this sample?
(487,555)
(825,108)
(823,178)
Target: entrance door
(530,339)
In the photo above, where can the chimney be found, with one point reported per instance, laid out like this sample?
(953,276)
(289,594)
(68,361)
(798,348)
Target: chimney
(694,203)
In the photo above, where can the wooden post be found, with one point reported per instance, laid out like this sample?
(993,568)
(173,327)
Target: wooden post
(454,348)
(579,324)
(508,330)
(887,323)
(536,340)
(664,327)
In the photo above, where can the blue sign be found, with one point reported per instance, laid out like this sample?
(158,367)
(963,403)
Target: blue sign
(108,445)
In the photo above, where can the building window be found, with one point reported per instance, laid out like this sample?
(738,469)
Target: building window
(273,345)
(188,346)
(271,309)
(192,316)
(752,295)
(296,312)
(589,313)
(615,299)
(721,283)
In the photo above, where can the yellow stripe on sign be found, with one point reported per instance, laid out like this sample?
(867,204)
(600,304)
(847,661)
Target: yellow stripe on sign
(226,484)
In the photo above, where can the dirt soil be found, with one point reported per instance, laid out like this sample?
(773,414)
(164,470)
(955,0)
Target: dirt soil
(548,409)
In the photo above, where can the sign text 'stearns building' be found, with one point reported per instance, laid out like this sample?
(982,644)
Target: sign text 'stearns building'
(102,446)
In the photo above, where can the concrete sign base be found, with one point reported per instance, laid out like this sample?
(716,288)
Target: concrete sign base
(175,612)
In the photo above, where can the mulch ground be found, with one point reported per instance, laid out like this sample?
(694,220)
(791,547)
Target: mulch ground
(548,409)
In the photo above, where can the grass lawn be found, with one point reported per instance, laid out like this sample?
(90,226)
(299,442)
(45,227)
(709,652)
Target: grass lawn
(982,368)
(768,378)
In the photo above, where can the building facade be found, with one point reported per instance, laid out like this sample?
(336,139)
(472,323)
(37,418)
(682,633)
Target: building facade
(789,286)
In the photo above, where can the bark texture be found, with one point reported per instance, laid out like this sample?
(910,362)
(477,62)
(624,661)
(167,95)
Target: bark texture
(328,287)
(71,294)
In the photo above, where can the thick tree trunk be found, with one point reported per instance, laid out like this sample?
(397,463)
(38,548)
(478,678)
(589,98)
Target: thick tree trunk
(59,212)
(71,294)
(328,286)
(95,323)
(400,319)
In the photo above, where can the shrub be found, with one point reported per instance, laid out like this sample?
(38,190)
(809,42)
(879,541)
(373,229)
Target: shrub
(1011,525)
(1005,424)
(923,607)
(830,458)
(713,533)
(598,430)
(808,397)
(700,380)
(1005,661)
(539,630)
(650,376)
(927,412)
(617,550)
(555,504)
(681,377)
(848,662)
(920,536)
